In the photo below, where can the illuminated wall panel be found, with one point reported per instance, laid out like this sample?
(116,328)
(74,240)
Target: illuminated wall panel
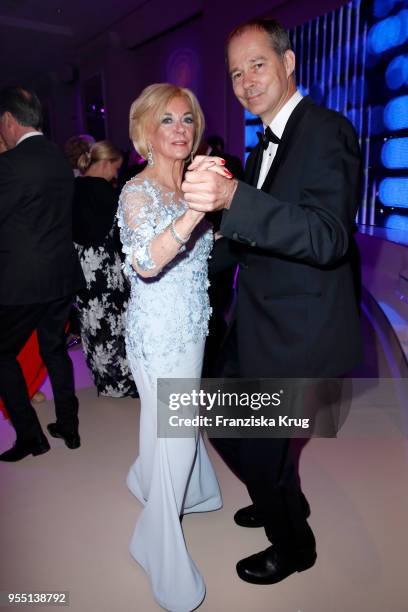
(394,192)
(396,114)
(394,153)
(396,75)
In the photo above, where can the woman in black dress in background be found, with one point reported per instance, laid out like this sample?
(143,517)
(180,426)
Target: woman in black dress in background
(102,305)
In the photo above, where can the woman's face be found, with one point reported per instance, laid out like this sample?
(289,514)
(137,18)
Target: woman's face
(174,136)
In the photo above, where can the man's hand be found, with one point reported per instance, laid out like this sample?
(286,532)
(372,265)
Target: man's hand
(208,186)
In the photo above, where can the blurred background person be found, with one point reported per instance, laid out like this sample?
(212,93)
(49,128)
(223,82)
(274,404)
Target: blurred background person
(40,271)
(133,164)
(75,147)
(34,370)
(102,305)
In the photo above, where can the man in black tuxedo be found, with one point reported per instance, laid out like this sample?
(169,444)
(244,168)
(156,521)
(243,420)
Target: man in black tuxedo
(40,271)
(291,228)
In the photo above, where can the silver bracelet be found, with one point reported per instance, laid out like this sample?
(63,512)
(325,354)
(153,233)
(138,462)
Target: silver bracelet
(177,236)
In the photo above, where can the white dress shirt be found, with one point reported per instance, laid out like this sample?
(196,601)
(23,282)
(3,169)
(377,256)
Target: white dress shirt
(28,135)
(277,126)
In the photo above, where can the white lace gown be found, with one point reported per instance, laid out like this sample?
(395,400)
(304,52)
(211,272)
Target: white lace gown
(167,322)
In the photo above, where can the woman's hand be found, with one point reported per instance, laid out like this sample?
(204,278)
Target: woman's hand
(206,162)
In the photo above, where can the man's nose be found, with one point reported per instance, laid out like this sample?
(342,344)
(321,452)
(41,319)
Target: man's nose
(247,81)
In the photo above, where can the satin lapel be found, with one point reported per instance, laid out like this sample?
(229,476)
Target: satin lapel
(287,138)
(253,165)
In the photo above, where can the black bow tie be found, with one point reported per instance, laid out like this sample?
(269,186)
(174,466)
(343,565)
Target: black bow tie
(267,137)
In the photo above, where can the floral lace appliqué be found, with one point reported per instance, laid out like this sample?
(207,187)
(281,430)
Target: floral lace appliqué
(170,310)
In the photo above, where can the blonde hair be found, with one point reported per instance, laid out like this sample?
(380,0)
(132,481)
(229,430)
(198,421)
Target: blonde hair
(151,104)
(99,151)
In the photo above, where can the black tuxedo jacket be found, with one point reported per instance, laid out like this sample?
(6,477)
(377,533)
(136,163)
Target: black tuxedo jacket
(38,262)
(297,312)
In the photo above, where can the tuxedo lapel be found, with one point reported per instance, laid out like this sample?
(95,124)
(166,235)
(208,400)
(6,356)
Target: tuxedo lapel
(288,136)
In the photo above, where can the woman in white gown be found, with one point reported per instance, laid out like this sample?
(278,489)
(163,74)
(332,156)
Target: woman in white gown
(166,247)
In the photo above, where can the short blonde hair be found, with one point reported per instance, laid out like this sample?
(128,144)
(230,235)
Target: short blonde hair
(152,104)
(99,151)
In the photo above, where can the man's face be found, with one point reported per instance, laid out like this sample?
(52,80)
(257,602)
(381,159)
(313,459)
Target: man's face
(261,79)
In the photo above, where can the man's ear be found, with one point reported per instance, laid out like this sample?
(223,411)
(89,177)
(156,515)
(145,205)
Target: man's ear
(289,59)
(7,118)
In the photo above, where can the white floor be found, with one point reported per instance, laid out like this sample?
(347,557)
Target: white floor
(66,519)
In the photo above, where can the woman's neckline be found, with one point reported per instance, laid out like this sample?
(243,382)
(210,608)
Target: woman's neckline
(164,187)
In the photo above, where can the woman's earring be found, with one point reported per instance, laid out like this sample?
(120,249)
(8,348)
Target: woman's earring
(150,160)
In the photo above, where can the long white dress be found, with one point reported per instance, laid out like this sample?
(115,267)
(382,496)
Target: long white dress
(167,322)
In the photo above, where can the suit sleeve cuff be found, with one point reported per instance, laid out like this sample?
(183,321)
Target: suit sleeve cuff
(238,221)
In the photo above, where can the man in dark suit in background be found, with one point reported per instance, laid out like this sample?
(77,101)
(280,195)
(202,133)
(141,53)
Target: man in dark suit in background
(40,271)
(291,229)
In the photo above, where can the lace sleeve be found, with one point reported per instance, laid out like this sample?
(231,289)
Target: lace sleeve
(136,219)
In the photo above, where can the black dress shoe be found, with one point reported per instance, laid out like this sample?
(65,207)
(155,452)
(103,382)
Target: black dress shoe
(22,448)
(269,567)
(72,440)
(250,516)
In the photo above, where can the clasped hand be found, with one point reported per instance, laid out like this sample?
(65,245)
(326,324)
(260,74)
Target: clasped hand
(208,186)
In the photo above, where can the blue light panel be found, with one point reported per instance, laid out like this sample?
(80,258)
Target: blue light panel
(394,153)
(303,90)
(397,72)
(394,192)
(249,115)
(251,139)
(395,221)
(389,33)
(396,113)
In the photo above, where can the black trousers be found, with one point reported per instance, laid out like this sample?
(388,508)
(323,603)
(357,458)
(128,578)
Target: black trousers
(267,467)
(16,325)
